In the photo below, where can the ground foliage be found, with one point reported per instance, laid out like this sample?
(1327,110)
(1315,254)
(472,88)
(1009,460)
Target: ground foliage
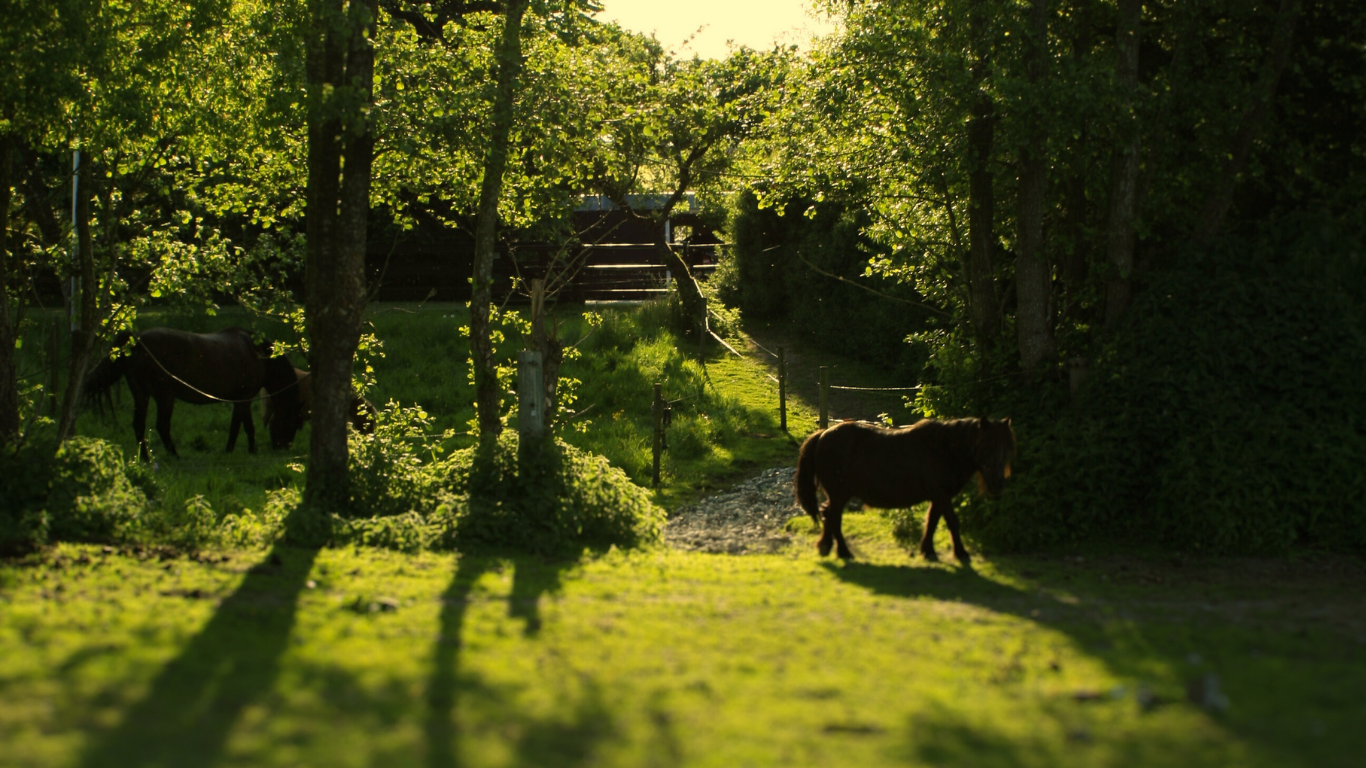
(1225,416)
(83,493)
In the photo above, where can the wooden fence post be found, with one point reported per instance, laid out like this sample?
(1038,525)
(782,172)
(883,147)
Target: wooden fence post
(825,397)
(530,397)
(782,389)
(657,413)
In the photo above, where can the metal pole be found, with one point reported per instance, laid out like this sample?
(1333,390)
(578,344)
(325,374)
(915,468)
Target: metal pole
(825,397)
(75,242)
(657,409)
(530,398)
(782,389)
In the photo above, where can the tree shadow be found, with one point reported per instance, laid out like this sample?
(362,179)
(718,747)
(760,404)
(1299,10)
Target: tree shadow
(232,662)
(567,742)
(1112,632)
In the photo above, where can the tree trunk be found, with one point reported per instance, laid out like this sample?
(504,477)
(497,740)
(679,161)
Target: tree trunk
(1075,264)
(9,394)
(1124,178)
(82,338)
(488,398)
(694,304)
(545,338)
(981,130)
(340,151)
(1253,116)
(1033,281)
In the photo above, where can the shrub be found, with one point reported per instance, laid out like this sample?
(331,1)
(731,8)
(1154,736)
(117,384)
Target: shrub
(1225,417)
(552,500)
(389,475)
(774,273)
(81,494)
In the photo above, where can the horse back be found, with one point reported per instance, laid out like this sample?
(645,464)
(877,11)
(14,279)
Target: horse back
(199,367)
(896,467)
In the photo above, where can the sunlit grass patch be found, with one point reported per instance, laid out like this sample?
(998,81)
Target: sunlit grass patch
(357,657)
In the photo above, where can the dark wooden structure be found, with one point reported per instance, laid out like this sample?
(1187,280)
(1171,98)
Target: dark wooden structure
(615,259)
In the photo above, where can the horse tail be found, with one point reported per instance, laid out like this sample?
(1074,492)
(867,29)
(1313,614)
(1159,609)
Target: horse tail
(99,382)
(805,481)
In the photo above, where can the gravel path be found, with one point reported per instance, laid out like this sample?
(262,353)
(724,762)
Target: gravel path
(747,519)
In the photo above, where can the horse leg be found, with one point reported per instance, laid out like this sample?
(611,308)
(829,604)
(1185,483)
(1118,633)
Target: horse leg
(140,424)
(241,418)
(164,407)
(832,533)
(959,551)
(247,424)
(931,523)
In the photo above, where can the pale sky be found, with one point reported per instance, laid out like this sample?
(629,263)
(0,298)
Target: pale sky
(755,23)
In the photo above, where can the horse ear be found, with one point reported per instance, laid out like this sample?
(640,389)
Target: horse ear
(1008,424)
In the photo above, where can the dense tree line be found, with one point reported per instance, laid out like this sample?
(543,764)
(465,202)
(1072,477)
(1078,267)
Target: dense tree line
(1027,166)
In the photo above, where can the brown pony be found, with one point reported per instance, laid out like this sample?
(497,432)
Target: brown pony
(165,365)
(282,430)
(896,468)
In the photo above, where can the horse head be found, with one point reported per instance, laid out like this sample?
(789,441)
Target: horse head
(994,452)
(282,387)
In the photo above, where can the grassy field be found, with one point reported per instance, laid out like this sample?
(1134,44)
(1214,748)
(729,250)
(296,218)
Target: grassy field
(354,658)
(357,657)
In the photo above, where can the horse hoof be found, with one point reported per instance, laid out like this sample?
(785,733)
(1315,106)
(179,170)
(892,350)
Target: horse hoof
(963,558)
(845,554)
(823,547)
(930,555)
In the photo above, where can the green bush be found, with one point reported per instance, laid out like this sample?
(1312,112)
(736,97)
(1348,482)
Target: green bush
(1225,417)
(82,493)
(391,469)
(555,498)
(775,271)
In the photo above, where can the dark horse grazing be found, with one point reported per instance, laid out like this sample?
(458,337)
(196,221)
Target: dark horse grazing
(166,365)
(282,430)
(896,468)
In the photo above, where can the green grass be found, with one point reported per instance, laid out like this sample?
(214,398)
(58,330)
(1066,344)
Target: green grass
(669,658)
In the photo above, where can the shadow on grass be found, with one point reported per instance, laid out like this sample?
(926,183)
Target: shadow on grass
(232,663)
(511,505)
(554,742)
(1121,636)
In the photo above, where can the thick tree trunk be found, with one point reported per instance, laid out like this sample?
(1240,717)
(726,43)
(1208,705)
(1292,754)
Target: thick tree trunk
(9,391)
(1253,117)
(1033,281)
(981,130)
(340,151)
(82,339)
(1124,178)
(1074,269)
(488,399)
